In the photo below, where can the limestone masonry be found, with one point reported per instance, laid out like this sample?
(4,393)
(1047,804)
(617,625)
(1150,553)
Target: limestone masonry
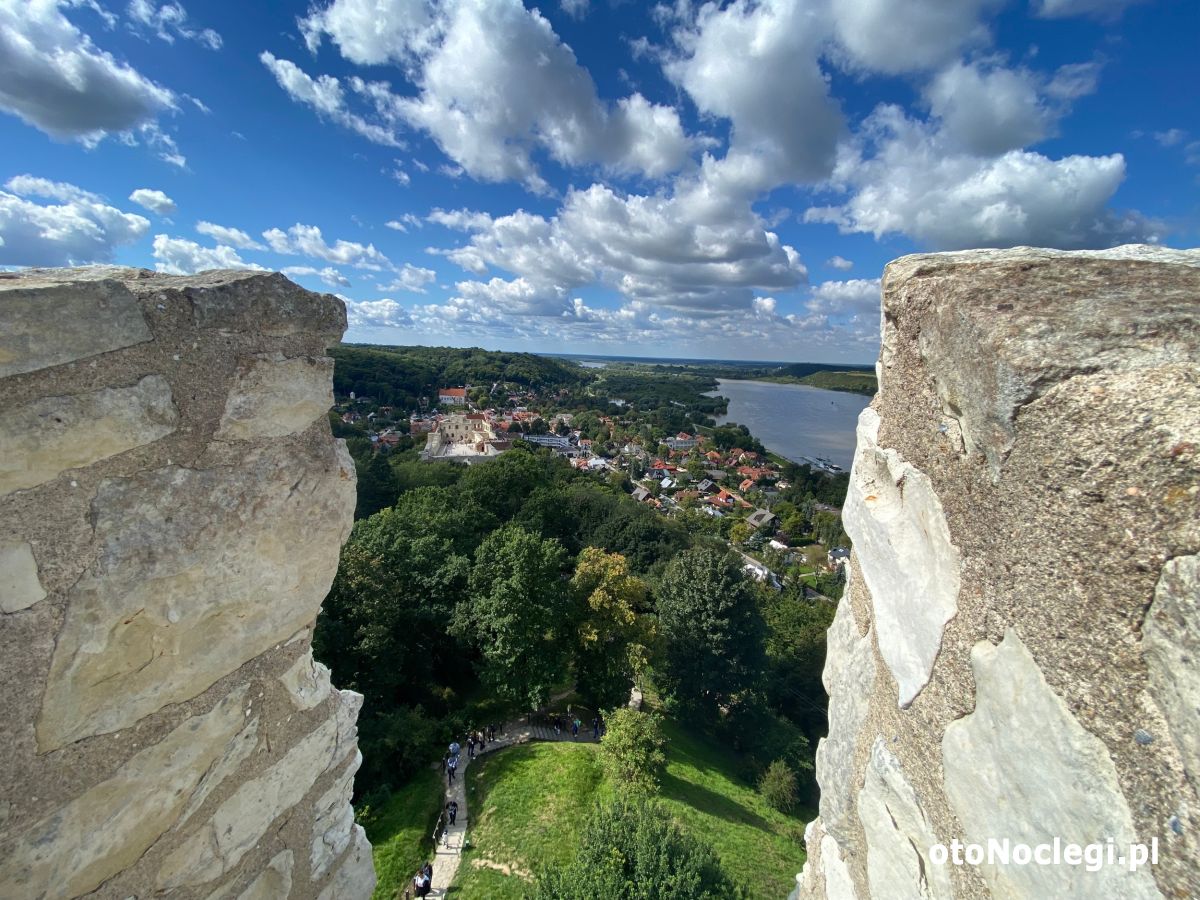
(1018,651)
(172,505)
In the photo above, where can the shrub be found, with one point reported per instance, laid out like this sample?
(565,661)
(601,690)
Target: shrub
(631,751)
(778,786)
(631,850)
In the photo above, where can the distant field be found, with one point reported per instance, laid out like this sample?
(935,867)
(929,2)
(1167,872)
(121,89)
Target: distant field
(401,832)
(852,382)
(529,803)
(856,382)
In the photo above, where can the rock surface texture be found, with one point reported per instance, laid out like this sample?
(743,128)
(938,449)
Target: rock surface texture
(1017,652)
(172,505)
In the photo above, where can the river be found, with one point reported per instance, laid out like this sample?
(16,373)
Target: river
(796,420)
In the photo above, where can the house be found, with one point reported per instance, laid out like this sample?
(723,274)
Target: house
(452,396)
(667,483)
(640,494)
(717,475)
(681,441)
(746,485)
(713,456)
(778,545)
(838,557)
(759,518)
(756,570)
(553,441)
(706,486)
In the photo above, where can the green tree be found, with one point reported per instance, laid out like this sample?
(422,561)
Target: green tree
(633,850)
(611,637)
(502,485)
(827,528)
(631,751)
(797,630)
(377,487)
(518,616)
(712,631)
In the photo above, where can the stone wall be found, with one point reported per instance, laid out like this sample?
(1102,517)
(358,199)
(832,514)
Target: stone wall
(1018,651)
(172,505)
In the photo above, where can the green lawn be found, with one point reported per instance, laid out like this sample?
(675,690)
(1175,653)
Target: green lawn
(529,803)
(527,806)
(401,832)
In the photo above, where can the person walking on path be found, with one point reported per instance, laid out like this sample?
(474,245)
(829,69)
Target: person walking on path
(452,811)
(595,728)
(575,730)
(451,766)
(471,747)
(455,749)
(445,757)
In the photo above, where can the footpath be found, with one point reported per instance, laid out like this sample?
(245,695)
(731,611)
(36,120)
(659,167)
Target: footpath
(448,853)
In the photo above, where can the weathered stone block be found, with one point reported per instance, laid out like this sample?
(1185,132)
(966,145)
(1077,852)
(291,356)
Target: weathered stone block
(49,436)
(307,682)
(273,882)
(80,845)
(1171,638)
(898,834)
(175,599)
(1000,326)
(902,545)
(240,822)
(333,821)
(1021,767)
(850,675)
(355,877)
(19,584)
(46,320)
(274,396)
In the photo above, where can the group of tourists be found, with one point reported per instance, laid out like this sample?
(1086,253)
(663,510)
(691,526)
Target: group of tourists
(560,723)
(476,740)
(423,881)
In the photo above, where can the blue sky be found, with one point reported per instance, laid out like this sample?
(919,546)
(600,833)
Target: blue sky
(719,180)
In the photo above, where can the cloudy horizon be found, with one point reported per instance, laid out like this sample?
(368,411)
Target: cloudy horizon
(720,180)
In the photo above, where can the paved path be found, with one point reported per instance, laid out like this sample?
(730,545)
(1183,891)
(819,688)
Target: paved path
(448,853)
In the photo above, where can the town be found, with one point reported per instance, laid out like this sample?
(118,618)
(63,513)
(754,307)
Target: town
(700,476)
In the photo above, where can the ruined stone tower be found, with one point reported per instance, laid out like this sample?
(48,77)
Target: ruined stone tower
(172,505)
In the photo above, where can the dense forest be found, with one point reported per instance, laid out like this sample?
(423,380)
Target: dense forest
(480,589)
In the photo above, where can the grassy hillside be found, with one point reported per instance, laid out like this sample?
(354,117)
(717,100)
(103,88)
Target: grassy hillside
(759,846)
(529,804)
(401,831)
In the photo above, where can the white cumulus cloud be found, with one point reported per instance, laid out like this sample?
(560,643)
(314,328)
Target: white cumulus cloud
(329,275)
(178,256)
(325,95)
(231,237)
(57,80)
(494,82)
(155,201)
(409,278)
(386,313)
(906,177)
(306,240)
(80,227)
(170,20)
